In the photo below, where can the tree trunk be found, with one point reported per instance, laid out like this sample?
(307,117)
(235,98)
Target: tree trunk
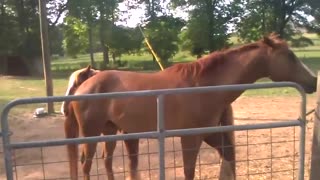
(114,58)
(105,49)
(210,9)
(3,9)
(91,45)
(263,23)
(282,18)
(105,52)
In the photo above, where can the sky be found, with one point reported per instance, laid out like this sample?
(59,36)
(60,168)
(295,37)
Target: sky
(136,16)
(133,17)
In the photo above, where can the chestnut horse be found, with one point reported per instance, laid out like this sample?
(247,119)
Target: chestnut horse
(269,57)
(81,75)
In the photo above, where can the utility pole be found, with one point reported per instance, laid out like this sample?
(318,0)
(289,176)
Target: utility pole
(45,51)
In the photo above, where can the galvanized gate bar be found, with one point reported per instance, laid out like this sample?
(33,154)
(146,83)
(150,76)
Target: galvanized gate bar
(160,133)
(154,134)
(234,87)
(81,140)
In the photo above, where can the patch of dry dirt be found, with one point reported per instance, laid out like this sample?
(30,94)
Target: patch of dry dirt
(261,154)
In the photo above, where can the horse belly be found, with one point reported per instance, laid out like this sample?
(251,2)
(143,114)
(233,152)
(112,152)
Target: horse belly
(180,112)
(133,115)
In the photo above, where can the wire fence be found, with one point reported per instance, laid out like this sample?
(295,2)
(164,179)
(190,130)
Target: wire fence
(260,154)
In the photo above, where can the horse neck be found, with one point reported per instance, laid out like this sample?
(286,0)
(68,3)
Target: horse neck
(237,68)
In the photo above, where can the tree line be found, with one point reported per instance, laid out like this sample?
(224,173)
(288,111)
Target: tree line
(90,26)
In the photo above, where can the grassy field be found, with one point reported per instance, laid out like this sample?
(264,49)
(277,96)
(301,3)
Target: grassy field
(18,87)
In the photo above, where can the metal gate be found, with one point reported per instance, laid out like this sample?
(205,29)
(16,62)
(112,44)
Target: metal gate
(161,133)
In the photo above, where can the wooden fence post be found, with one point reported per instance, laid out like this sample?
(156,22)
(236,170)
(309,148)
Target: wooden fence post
(45,52)
(315,151)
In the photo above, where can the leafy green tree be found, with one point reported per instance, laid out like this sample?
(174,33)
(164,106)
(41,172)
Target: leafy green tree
(282,16)
(315,13)
(207,28)
(75,39)
(163,35)
(56,40)
(10,35)
(87,12)
(20,28)
(108,11)
(125,41)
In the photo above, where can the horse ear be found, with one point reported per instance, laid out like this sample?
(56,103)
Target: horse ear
(88,68)
(274,35)
(269,41)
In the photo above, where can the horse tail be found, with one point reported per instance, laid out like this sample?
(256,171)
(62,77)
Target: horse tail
(71,128)
(65,104)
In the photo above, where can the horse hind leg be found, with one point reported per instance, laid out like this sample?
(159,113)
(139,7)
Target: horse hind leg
(132,146)
(190,149)
(109,148)
(71,129)
(89,149)
(88,153)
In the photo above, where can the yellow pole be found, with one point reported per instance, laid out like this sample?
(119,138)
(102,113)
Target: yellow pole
(152,51)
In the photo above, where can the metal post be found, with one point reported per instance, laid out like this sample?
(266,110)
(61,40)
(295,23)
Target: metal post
(161,136)
(302,142)
(315,150)
(6,143)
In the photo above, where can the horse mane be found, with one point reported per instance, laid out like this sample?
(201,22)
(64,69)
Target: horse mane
(75,80)
(217,58)
(274,40)
(208,62)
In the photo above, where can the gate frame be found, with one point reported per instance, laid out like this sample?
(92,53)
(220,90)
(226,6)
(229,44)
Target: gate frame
(161,133)
(315,148)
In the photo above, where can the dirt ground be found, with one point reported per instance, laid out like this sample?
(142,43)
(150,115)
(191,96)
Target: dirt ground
(261,154)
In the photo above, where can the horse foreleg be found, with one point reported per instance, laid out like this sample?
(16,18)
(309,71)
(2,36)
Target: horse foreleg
(190,150)
(225,144)
(109,149)
(72,131)
(132,146)
(88,153)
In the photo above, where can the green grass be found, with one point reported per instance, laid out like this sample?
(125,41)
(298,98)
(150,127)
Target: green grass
(17,87)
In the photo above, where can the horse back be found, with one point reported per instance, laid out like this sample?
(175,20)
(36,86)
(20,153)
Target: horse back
(119,81)
(182,111)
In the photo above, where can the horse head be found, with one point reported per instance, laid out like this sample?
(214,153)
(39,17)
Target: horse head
(284,65)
